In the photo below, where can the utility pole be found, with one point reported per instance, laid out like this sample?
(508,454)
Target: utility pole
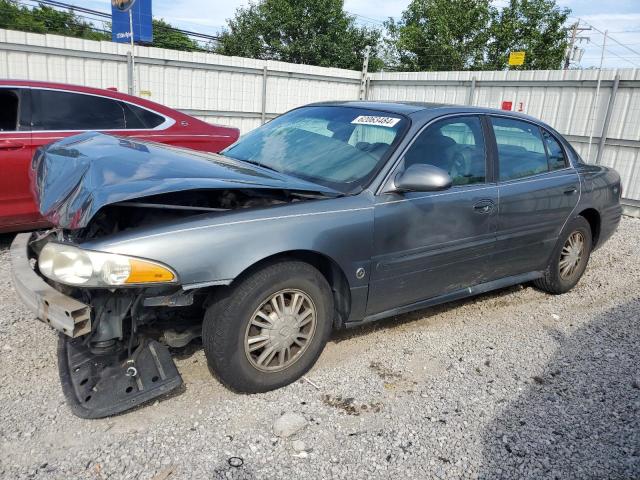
(575,29)
(132,87)
(595,103)
(567,57)
(365,70)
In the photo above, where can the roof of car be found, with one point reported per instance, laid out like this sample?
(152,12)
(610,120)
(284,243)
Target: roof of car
(435,109)
(45,84)
(104,92)
(393,107)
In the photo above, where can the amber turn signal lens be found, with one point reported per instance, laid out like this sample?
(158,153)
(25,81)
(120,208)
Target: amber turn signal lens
(147,272)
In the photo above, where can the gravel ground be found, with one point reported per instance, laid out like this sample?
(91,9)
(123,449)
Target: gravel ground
(512,384)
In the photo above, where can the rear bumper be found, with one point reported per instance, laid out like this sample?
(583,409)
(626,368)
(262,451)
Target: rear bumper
(609,221)
(61,312)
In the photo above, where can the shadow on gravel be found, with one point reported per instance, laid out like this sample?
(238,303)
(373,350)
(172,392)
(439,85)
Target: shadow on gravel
(6,239)
(581,417)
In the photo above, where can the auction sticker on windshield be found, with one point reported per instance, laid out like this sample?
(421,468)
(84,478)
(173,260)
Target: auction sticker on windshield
(371,120)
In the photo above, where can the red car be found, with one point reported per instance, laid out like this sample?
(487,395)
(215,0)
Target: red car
(33,114)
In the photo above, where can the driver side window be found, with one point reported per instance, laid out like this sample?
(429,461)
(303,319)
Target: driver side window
(455,145)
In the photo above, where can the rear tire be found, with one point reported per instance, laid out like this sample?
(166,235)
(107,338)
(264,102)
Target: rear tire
(569,259)
(286,307)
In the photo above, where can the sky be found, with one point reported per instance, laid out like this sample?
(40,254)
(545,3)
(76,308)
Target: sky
(620,17)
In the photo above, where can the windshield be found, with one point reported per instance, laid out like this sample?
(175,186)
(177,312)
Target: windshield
(339,147)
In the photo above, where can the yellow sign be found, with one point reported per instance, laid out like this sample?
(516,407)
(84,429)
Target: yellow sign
(516,58)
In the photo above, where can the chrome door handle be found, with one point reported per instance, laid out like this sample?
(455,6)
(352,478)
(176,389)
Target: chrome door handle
(570,191)
(485,206)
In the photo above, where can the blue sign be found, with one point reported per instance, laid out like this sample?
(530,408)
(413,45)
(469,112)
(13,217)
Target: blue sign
(142,26)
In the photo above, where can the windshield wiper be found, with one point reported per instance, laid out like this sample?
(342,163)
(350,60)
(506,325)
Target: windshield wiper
(318,194)
(334,194)
(260,165)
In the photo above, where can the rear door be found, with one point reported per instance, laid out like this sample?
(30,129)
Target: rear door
(16,204)
(428,244)
(538,191)
(58,114)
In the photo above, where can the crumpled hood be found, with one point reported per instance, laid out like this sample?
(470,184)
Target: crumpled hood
(71,180)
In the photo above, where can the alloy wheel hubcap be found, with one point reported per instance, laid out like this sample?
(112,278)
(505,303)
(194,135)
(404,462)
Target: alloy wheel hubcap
(571,254)
(280,330)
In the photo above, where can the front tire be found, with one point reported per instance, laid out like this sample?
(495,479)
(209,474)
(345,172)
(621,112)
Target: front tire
(270,329)
(569,259)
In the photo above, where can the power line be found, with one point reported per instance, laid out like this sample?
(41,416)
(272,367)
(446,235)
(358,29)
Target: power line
(616,55)
(89,25)
(370,20)
(572,48)
(621,56)
(633,30)
(107,16)
(53,3)
(614,40)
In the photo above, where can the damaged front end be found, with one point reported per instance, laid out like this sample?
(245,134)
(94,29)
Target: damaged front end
(109,357)
(118,315)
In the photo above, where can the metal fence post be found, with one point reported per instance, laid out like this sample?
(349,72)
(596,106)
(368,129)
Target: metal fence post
(264,95)
(129,73)
(472,91)
(607,118)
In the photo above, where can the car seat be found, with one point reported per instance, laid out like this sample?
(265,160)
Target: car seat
(432,149)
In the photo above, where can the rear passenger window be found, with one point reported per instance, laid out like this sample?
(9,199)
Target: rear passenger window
(138,117)
(521,151)
(456,145)
(557,158)
(55,110)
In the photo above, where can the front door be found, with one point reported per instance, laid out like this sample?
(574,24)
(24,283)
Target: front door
(538,191)
(428,244)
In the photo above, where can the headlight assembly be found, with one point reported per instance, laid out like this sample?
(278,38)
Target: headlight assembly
(74,266)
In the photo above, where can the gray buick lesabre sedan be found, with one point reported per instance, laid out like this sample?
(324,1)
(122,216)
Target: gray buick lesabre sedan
(329,216)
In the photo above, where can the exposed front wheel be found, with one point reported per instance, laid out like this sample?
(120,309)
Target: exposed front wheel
(569,259)
(270,329)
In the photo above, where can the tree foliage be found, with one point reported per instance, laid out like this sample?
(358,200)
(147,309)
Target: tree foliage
(533,26)
(44,19)
(317,32)
(430,35)
(164,36)
(474,35)
(440,35)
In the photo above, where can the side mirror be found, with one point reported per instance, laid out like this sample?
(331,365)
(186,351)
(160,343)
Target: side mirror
(422,178)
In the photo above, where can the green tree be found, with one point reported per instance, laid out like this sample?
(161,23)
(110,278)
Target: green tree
(474,35)
(164,36)
(536,27)
(44,19)
(317,32)
(440,35)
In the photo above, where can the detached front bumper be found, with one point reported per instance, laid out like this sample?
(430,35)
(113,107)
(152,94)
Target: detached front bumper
(61,312)
(95,386)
